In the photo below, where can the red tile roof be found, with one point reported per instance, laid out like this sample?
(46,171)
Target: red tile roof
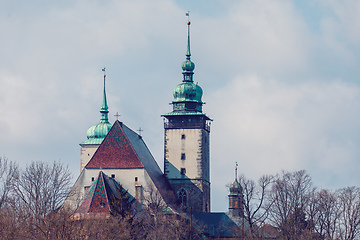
(115,151)
(122,148)
(96,200)
(101,196)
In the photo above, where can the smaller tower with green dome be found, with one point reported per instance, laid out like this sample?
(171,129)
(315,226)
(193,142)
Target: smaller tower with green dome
(186,144)
(236,198)
(95,134)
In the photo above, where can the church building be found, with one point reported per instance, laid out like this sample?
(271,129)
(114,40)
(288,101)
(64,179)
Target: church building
(116,163)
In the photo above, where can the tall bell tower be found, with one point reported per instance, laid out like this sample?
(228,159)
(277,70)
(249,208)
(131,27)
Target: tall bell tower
(186,143)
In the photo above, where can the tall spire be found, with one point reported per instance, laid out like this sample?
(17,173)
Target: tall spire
(188,66)
(96,134)
(187,95)
(188,54)
(104,107)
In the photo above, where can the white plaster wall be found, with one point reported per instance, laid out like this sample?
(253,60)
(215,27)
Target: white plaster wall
(191,146)
(126,177)
(87,151)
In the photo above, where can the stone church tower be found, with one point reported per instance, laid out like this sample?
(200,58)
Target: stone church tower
(186,143)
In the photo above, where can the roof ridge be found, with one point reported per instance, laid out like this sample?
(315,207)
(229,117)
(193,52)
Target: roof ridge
(87,200)
(116,151)
(99,182)
(105,191)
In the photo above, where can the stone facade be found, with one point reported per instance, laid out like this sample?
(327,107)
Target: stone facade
(187,166)
(86,153)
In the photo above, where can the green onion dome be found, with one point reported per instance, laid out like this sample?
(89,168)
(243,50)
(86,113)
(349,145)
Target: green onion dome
(199,93)
(188,66)
(96,134)
(187,91)
(235,187)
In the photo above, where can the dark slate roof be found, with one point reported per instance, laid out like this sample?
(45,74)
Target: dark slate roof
(115,151)
(101,195)
(122,148)
(151,167)
(215,224)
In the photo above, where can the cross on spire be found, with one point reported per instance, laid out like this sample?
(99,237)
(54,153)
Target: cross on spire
(140,130)
(117,115)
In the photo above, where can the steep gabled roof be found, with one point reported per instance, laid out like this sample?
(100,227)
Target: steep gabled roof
(151,167)
(101,196)
(122,148)
(115,151)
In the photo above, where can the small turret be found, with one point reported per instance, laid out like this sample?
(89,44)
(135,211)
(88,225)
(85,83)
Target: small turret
(236,198)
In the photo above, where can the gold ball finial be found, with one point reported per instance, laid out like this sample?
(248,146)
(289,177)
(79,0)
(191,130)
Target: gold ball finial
(188,23)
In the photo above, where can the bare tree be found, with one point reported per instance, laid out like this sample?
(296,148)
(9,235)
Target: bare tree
(8,170)
(290,196)
(154,217)
(254,197)
(11,226)
(327,214)
(160,221)
(153,200)
(349,203)
(40,189)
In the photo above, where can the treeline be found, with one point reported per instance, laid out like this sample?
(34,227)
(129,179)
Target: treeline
(30,208)
(295,209)
(285,206)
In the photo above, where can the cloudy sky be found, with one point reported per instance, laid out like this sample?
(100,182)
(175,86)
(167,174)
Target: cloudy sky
(280,80)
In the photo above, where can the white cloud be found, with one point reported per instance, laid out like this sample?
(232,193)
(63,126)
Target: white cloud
(256,36)
(269,83)
(345,20)
(267,126)
(54,54)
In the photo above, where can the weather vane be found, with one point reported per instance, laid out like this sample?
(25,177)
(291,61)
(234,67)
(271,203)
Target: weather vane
(188,16)
(104,75)
(236,166)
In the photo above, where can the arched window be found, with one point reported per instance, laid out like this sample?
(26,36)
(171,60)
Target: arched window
(183,197)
